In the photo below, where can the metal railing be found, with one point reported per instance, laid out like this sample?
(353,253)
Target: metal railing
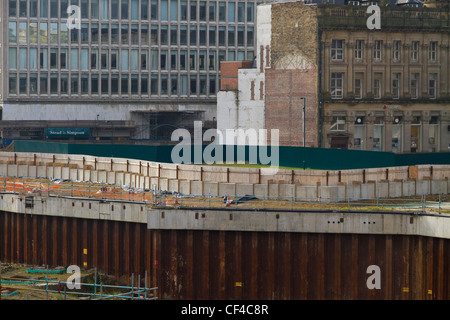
(157,198)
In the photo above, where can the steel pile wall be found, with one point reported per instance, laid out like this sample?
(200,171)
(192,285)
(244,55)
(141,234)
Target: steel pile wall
(187,264)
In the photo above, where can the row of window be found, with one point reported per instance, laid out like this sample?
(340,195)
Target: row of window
(124,60)
(337,80)
(125,34)
(164,10)
(115,84)
(337,50)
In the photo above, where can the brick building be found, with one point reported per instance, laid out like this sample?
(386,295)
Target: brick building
(382,90)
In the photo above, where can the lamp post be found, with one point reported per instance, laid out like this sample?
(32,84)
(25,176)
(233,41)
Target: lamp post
(304,121)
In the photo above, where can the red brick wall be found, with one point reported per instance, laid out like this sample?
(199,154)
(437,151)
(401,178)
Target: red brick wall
(229,73)
(284,108)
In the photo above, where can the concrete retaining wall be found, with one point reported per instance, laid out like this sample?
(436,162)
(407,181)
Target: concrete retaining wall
(309,185)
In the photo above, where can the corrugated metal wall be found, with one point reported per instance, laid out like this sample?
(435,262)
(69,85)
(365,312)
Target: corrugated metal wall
(235,265)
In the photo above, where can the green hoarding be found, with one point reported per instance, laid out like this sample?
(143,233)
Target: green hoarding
(66,132)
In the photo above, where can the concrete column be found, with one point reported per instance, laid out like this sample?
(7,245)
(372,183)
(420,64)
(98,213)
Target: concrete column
(369,131)
(444,138)
(388,120)
(425,130)
(407,133)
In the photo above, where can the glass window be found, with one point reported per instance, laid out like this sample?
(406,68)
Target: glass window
(124,84)
(164,86)
(94,84)
(134,84)
(173,60)
(12,26)
(144,84)
(22,8)
(84,83)
(202,35)
(193,35)
(212,60)
(12,58)
(33,58)
(12,83)
(396,85)
(33,9)
(337,49)
(432,85)
(212,36)
(358,86)
(173,85)
(433,51)
(144,9)
(173,10)
(359,44)
(164,10)
(53,83)
(114,59)
(193,10)
(183,84)
(114,33)
(144,34)
(43,58)
(134,34)
(23,83)
(53,8)
(12,8)
(53,58)
(105,33)
(43,83)
(212,85)
(114,9)
(114,84)
(124,34)
(202,60)
(144,60)
(104,64)
(23,33)
(250,12)
(63,5)
(212,11)
(134,9)
(84,9)
(63,58)
(154,35)
(241,11)
(33,32)
(183,35)
(94,32)
(173,35)
(163,60)
(23,58)
(396,50)
(105,84)
(222,32)
(222,11)
(154,10)
(250,36)
(84,59)
(202,11)
(154,85)
(64,34)
(240,36)
(193,84)
(94,9)
(124,10)
(193,60)
(164,35)
(202,86)
(94,59)
(183,10)
(53,33)
(231,36)
(154,60)
(377,53)
(183,59)
(124,59)
(336,85)
(377,85)
(231,12)
(134,61)
(74,83)
(84,33)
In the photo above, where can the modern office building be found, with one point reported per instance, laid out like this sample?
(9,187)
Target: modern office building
(133,69)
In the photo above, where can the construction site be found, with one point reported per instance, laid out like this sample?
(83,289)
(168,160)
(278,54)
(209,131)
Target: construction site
(146,230)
